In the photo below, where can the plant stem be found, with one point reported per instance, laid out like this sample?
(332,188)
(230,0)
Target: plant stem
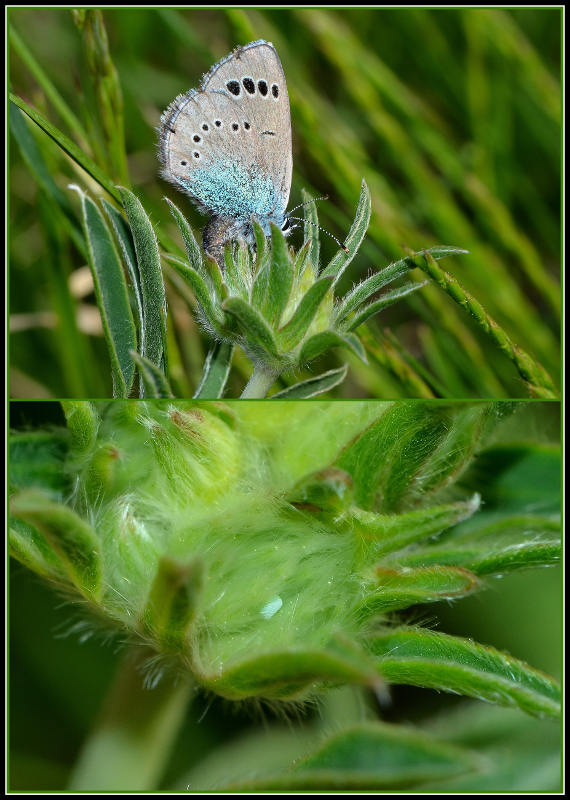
(260,383)
(537,380)
(132,740)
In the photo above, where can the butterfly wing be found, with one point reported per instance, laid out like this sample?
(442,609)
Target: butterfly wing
(228,144)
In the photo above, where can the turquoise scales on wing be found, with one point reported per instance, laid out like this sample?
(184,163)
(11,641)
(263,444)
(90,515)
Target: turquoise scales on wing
(228,145)
(227,189)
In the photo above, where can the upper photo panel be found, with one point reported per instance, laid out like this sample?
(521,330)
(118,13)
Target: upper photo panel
(285,203)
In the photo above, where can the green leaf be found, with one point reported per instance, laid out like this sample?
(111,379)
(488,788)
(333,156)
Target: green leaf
(261,284)
(360,293)
(430,443)
(310,233)
(125,238)
(152,284)
(173,602)
(450,664)
(379,755)
(296,328)
(313,386)
(407,434)
(302,260)
(199,288)
(354,239)
(280,278)
(501,546)
(386,300)
(498,561)
(369,756)
(375,282)
(112,297)
(257,333)
(31,548)
(36,461)
(260,245)
(521,754)
(401,588)
(216,371)
(68,147)
(318,344)
(470,425)
(155,381)
(72,539)
(190,244)
(395,532)
(215,278)
(288,674)
(233,277)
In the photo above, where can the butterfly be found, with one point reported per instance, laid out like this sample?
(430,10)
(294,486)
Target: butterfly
(228,146)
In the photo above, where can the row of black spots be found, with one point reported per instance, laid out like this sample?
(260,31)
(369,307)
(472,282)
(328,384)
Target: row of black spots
(234,87)
(196,138)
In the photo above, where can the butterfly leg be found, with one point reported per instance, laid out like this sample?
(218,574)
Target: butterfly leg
(217,232)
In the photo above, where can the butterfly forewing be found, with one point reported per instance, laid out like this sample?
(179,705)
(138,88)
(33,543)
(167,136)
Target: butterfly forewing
(228,144)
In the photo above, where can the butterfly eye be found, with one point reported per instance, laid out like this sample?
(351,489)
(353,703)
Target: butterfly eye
(286,225)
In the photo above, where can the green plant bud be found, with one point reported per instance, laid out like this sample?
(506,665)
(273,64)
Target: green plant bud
(259,546)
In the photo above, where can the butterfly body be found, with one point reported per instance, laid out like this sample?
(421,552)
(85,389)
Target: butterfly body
(228,145)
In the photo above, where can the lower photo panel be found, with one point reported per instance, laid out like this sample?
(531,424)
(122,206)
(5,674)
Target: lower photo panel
(287,596)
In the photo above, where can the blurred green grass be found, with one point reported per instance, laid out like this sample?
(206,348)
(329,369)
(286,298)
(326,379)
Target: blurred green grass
(451,116)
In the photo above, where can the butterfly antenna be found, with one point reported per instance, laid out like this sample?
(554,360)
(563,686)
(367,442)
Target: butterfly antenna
(313,200)
(314,224)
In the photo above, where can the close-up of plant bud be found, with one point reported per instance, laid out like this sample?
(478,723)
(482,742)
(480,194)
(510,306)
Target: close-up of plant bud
(260,551)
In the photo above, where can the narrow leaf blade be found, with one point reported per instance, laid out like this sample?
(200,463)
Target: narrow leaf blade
(296,328)
(450,664)
(152,284)
(313,386)
(216,371)
(155,382)
(354,239)
(112,297)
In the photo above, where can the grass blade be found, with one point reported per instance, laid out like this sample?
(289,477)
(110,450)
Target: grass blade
(68,147)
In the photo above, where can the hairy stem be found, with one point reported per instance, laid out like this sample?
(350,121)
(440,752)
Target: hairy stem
(132,740)
(260,383)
